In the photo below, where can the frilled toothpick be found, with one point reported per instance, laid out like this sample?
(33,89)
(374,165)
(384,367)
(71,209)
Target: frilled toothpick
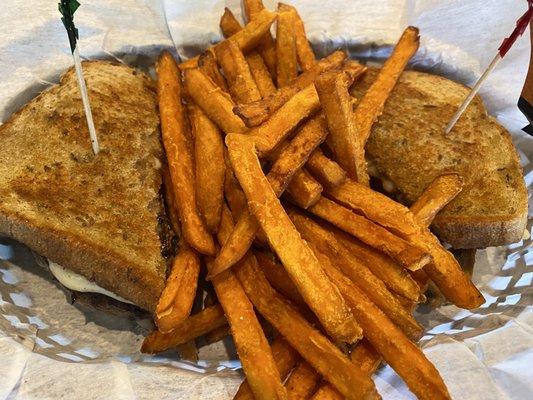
(67,8)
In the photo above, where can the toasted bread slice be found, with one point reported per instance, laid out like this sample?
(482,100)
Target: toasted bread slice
(100,216)
(408,147)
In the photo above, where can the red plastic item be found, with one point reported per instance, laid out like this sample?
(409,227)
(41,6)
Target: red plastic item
(521,26)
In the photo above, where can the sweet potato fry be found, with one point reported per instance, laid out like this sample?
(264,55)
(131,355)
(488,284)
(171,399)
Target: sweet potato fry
(232,190)
(344,140)
(298,259)
(284,356)
(177,146)
(306,56)
(207,63)
(315,348)
(326,171)
(266,46)
(324,243)
(302,382)
(241,83)
(304,190)
(216,335)
(209,166)
(246,39)
(213,101)
(444,270)
(229,24)
(440,192)
(287,66)
(250,341)
(371,104)
(196,325)
(256,113)
(177,298)
(374,235)
(170,203)
(397,350)
(273,131)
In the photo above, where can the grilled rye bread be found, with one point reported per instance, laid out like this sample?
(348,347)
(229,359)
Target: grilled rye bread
(100,216)
(408,147)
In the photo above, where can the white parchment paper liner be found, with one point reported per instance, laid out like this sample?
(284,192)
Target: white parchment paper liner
(50,348)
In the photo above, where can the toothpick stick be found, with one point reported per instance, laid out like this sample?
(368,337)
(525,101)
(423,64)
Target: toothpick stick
(521,26)
(67,8)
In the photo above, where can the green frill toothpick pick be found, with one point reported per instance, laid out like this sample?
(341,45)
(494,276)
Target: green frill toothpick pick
(67,8)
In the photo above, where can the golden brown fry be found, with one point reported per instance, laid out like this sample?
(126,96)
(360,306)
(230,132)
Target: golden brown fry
(250,341)
(213,101)
(443,270)
(229,24)
(371,104)
(241,83)
(266,46)
(287,66)
(302,382)
(374,235)
(286,358)
(344,140)
(216,335)
(397,350)
(326,171)
(196,325)
(273,131)
(170,203)
(304,190)
(256,113)
(290,159)
(396,278)
(440,192)
(324,243)
(177,146)
(298,259)
(315,348)
(209,166)
(208,65)
(232,190)
(246,39)
(306,56)
(175,303)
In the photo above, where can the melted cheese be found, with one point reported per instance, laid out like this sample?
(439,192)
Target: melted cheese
(79,283)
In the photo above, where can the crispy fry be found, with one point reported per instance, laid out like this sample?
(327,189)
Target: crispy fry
(232,190)
(371,104)
(293,156)
(396,278)
(324,243)
(170,203)
(213,101)
(176,301)
(302,382)
(216,335)
(344,140)
(209,166)
(440,192)
(315,348)
(444,270)
(246,39)
(256,113)
(306,56)
(287,66)
(304,190)
(196,325)
(374,235)
(298,259)
(208,65)
(250,341)
(241,83)
(229,26)
(177,146)
(397,350)
(286,358)
(326,171)
(271,133)
(266,47)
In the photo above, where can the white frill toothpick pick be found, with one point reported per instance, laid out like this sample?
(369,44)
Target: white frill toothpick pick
(521,26)
(67,8)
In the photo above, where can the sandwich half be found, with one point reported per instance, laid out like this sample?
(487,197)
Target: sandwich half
(407,149)
(98,216)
